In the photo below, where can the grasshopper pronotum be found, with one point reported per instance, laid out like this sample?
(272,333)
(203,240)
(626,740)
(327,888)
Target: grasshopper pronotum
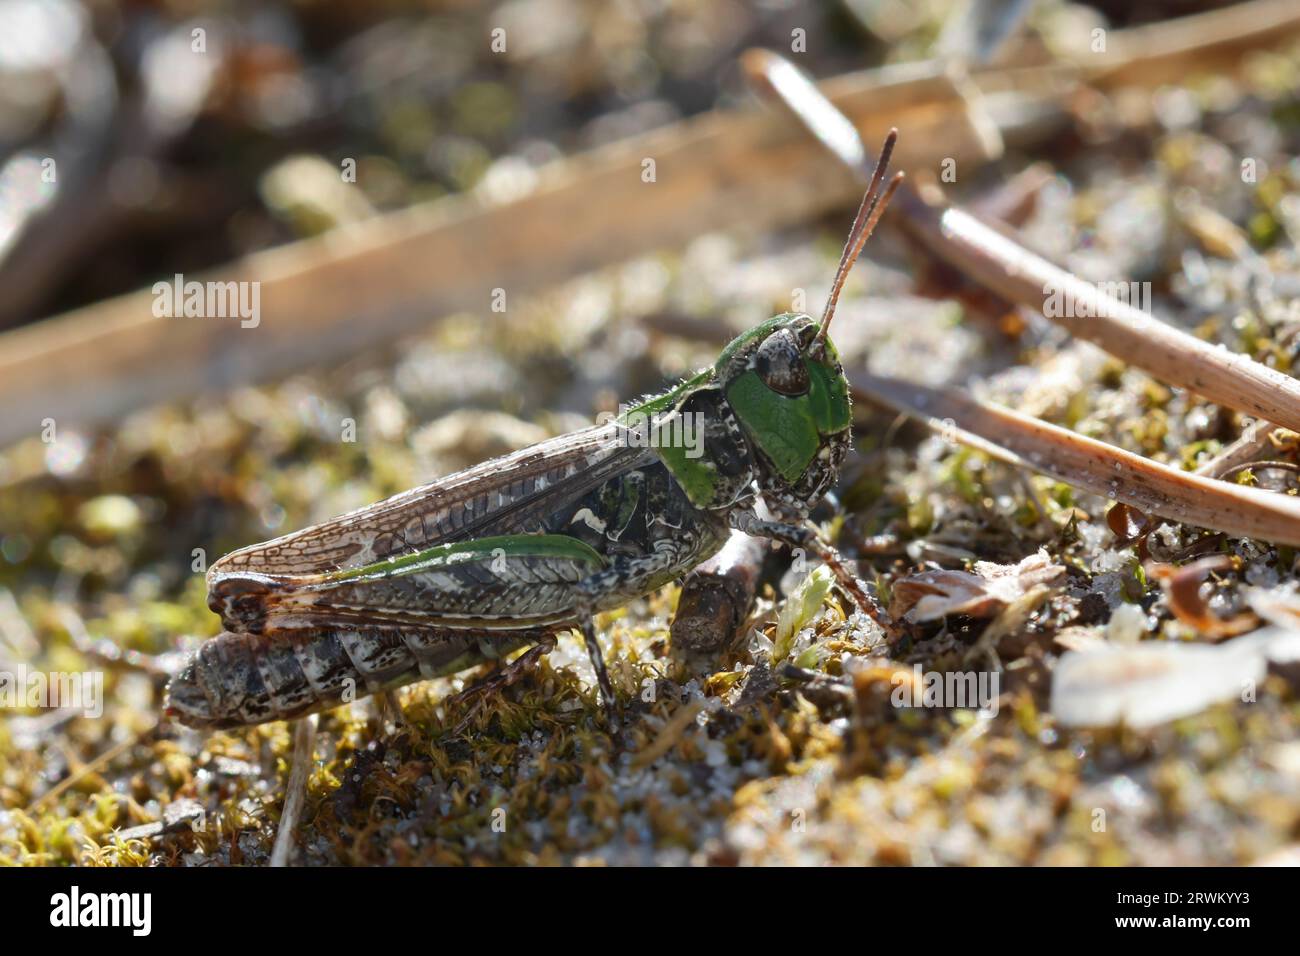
(509,553)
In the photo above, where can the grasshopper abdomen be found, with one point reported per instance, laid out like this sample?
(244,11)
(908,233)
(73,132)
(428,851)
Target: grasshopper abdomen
(241,679)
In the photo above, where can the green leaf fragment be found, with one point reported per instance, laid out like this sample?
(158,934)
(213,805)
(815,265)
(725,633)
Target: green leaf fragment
(799,610)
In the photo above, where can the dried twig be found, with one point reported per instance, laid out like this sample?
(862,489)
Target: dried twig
(107,652)
(323,298)
(995,259)
(89,769)
(304,740)
(1208,42)
(717,596)
(672,732)
(1241,452)
(1089,464)
(1009,269)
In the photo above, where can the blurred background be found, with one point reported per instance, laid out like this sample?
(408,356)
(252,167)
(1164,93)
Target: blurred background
(171,162)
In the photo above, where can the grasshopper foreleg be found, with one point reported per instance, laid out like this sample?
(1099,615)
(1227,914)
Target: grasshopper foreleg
(807,538)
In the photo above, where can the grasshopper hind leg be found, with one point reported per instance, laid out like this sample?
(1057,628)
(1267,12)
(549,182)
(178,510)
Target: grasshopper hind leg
(631,576)
(500,680)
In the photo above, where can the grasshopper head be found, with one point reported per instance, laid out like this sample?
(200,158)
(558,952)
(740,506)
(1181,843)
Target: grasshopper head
(787,388)
(785,383)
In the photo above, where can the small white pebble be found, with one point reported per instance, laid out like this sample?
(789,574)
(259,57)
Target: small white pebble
(1127,624)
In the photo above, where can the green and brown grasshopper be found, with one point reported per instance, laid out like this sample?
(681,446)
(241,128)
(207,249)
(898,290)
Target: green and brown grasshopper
(507,554)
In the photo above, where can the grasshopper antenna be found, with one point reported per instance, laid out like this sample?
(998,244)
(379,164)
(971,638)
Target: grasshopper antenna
(864,223)
(780,82)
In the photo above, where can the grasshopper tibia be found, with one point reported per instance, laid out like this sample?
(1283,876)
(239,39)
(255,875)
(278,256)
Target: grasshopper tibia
(500,680)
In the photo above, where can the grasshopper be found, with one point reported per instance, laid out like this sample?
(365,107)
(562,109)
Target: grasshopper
(508,554)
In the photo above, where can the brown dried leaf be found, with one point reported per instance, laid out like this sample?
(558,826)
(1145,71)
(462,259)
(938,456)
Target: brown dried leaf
(1127,523)
(931,595)
(1182,587)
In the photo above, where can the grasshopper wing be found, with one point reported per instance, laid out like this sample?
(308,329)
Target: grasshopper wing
(454,508)
(457,547)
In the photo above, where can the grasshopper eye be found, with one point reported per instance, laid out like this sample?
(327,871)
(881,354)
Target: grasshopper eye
(780,365)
